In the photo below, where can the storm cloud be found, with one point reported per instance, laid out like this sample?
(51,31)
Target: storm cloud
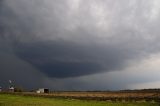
(75,38)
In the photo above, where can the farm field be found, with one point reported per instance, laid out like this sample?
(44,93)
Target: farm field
(17,100)
(149,95)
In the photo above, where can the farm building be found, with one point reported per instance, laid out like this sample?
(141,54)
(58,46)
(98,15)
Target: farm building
(43,90)
(11,89)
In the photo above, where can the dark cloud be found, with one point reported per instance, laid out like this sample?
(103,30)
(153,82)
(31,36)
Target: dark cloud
(66,59)
(20,72)
(74,38)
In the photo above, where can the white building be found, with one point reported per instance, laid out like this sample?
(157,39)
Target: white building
(43,90)
(11,89)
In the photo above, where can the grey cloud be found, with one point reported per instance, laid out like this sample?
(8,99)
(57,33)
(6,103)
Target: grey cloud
(61,39)
(66,59)
(20,72)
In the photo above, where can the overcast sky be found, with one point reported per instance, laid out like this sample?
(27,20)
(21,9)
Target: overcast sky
(80,44)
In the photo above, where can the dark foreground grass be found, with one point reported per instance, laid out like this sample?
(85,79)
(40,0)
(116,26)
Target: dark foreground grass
(15,100)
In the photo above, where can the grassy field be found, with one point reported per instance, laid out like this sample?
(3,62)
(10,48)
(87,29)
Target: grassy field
(15,100)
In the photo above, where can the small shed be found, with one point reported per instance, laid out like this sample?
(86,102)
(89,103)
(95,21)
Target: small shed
(11,89)
(43,90)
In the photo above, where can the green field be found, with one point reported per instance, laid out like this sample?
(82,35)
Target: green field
(14,100)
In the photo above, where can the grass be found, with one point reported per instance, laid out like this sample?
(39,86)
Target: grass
(15,100)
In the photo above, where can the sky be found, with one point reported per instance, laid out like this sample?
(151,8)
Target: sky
(80,44)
